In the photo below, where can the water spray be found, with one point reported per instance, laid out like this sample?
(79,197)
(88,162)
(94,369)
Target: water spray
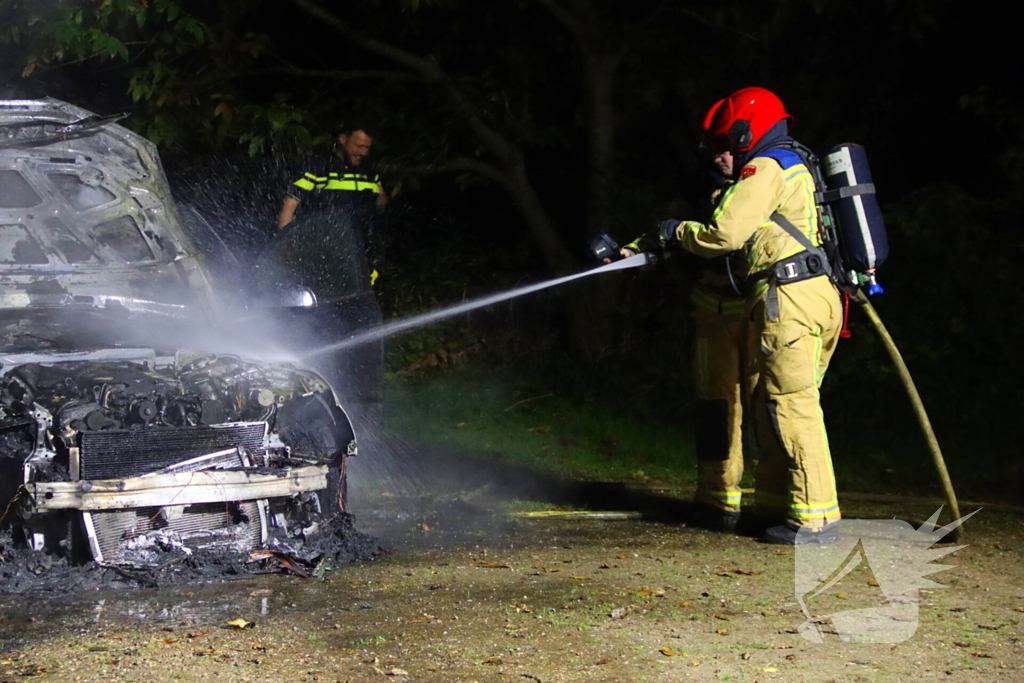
(445,313)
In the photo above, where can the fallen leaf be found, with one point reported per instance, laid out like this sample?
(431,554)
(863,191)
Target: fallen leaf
(960,643)
(395,671)
(520,608)
(982,655)
(33,670)
(492,660)
(1019,609)
(770,670)
(261,593)
(784,647)
(722,617)
(873,582)
(170,641)
(241,624)
(668,652)
(651,592)
(841,596)
(581,578)
(694,664)
(746,655)
(618,613)
(746,572)
(622,557)
(609,566)
(722,631)
(684,603)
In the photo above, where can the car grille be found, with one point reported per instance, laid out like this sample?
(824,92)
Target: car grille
(123,453)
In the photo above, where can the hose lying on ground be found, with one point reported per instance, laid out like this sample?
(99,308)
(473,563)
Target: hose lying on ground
(922,416)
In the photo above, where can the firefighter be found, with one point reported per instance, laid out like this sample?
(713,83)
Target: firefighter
(721,320)
(348,180)
(794,309)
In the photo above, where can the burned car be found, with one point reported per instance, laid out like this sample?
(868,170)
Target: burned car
(136,427)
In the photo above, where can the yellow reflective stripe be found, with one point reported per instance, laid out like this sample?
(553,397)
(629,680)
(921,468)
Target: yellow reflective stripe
(804,512)
(304,184)
(731,497)
(819,372)
(723,204)
(803,176)
(314,178)
(352,185)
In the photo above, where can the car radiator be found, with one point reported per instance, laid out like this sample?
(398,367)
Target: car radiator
(154,535)
(123,453)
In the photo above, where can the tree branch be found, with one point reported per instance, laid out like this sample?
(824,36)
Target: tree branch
(429,70)
(330,74)
(462,164)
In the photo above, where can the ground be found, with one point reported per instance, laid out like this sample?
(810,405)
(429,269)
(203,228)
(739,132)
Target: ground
(473,590)
(472,593)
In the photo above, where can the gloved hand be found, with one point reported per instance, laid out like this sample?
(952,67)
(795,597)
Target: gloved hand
(667,230)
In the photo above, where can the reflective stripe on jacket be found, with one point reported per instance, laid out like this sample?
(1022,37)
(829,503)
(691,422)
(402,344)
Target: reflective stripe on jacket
(349,180)
(740,221)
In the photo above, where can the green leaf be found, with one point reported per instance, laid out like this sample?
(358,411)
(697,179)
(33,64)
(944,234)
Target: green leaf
(116,48)
(172,11)
(255,145)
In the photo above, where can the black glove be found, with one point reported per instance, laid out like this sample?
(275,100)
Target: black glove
(667,230)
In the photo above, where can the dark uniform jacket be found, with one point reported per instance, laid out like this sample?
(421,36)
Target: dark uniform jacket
(335,184)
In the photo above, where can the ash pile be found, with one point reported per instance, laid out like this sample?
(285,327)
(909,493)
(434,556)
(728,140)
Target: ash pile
(335,544)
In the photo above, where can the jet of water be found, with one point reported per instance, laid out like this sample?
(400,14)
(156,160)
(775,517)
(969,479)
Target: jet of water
(451,311)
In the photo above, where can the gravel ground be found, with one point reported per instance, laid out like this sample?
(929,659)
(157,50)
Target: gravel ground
(467,593)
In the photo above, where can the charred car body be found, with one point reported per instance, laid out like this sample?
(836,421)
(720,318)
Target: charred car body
(119,442)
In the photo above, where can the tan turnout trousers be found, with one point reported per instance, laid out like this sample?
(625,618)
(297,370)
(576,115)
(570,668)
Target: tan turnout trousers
(787,354)
(719,369)
(794,477)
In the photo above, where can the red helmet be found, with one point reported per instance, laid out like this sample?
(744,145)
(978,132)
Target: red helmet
(744,117)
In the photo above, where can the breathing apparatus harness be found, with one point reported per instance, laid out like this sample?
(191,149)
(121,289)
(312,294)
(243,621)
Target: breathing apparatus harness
(852,230)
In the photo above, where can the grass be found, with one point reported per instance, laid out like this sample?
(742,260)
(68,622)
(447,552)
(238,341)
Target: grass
(504,418)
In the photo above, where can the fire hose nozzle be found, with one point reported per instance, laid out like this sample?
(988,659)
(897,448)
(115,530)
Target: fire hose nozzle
(650,258)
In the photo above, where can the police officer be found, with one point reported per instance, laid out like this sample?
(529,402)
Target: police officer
(348,180)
